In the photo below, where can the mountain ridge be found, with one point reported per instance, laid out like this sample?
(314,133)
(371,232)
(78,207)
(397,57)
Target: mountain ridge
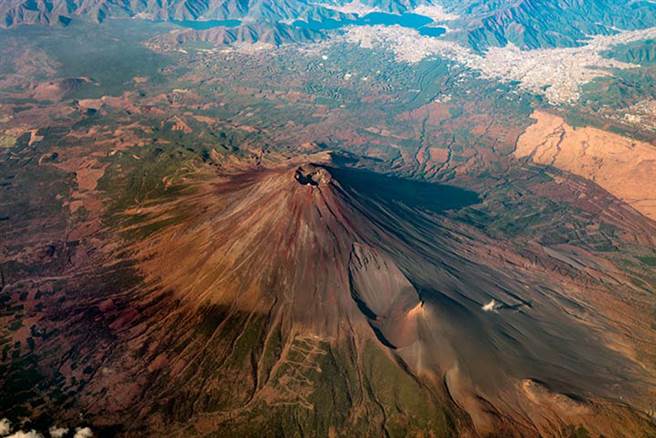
(528,24)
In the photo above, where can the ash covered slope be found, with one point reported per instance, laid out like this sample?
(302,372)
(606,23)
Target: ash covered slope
(300,300)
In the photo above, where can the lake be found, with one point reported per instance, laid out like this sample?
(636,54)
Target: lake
(409,20)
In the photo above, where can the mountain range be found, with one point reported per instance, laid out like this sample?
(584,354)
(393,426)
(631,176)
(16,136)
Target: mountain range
(528,24)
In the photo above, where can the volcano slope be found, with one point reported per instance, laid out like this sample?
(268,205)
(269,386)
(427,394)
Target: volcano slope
(304,298)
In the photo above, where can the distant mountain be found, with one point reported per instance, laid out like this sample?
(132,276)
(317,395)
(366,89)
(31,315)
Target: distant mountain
(14,12)
(396,6)
(263,20)
(480,24)
(547,23)
(640,52)
(275,34)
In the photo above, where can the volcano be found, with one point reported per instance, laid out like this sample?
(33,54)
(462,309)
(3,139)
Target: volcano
(297,298)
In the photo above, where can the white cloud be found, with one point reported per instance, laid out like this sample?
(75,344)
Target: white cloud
(57,432)
(53,432)
(5,427)
(30,434)
(490,307)
(83,432)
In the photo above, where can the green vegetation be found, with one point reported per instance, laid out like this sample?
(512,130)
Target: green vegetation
(15,325)
(272,350)
(648,260)
(576,432)
(248,342)
(22,383)
(398,394)
(139,177)
(112,69)
(622,89)
(322,394)
(638,52)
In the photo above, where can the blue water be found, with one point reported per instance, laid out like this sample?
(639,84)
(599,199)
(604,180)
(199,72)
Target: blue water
(431,31)
(413,21)
(409,20)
